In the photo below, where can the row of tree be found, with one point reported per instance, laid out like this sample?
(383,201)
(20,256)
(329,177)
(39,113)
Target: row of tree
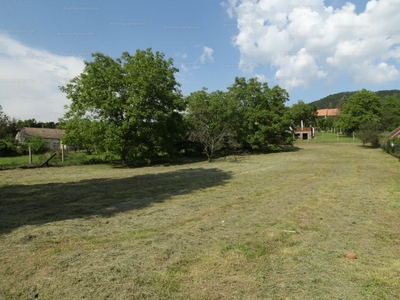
(132,106)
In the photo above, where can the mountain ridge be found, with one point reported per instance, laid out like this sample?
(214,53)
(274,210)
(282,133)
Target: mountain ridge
(333,100)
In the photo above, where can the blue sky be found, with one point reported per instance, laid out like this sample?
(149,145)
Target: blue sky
(312,48)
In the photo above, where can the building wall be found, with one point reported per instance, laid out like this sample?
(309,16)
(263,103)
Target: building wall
(301,135)
(54,144)
(304,133)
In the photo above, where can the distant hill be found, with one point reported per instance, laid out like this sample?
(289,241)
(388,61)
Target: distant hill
(332,101)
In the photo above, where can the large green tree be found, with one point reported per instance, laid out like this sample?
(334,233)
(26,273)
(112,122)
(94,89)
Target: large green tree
(391,112)
(210,118)
(362,106)
(134,101)
(264,118)
(4,124)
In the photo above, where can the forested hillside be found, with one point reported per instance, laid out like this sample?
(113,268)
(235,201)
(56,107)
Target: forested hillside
(333,101)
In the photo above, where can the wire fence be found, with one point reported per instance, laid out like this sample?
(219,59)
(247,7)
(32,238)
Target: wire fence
(330,137)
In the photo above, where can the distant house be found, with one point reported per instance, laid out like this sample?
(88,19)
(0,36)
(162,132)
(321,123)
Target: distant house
(328,112)
(395,133)
(52,136)
(304,133)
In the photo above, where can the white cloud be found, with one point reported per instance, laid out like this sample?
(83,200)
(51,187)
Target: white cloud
(206,55)
(260,77)
(29,80)
(229,5)
(306,41)
(298,70)
(187,66)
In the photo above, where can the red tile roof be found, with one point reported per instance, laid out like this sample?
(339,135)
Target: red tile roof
(328,112)
(394,133)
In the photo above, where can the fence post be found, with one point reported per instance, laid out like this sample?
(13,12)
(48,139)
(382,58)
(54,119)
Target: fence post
(30,154)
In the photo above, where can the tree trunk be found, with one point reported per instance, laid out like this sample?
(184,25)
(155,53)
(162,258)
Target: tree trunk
(209,156)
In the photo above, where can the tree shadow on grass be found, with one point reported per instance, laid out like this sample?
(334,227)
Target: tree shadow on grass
(43,203)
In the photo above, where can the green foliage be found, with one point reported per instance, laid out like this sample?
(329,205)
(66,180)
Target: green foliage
(325,123)
(392,146)
(8,146)
(80,133)
(210,117)
(5,147)
(369,133)
(132,104)
(363,106)
(37,143)
(386,93)
(263,117)
(249,115)
(391,112)
(303,112)
(333,101)
(7,126)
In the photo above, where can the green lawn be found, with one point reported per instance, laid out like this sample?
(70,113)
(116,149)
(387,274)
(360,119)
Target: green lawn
(326,137)
(270,226)
(14,161)
(70,158)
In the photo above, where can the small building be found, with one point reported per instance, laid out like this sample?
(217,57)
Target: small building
(52,136)
(395,133)
(304,133)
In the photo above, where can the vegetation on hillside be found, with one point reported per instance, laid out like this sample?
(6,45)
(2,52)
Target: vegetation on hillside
(333,100)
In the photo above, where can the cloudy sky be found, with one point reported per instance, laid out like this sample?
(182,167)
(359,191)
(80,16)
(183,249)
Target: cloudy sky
(312,48)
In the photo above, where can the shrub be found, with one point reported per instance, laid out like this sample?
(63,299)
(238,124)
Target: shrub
(369,133)
(392,146)
(37,143)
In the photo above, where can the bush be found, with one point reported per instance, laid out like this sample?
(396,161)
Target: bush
(37,143)
(392,146)
(369,133)
(8,147)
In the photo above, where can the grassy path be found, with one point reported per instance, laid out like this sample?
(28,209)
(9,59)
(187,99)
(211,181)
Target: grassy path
(260,227)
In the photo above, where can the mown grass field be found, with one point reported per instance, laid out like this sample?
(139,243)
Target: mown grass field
(270,226)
